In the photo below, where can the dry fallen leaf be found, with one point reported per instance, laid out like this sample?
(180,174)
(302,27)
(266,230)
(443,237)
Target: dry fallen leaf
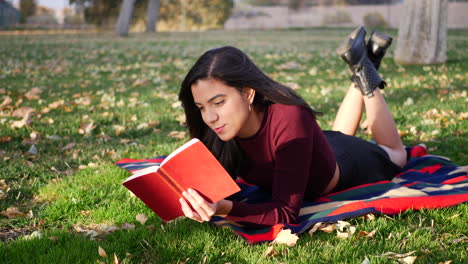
(101,252)
(286,237)
(12,212)
(26,113)
(366,234)
(365,261)
(86,128)
(369,217)
(69,146)
(141,218)
(5,139)
(408,260)
(32,150)
(22,111)
(127,226)
(177,134)
(315,228)
(118,129)
(116,260)
(5,102)
(270,252)
(398,255)
(33,94)
(446,262)
(328,227)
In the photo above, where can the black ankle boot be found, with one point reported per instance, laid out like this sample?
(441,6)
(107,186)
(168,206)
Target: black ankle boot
(377,47)
(354,52)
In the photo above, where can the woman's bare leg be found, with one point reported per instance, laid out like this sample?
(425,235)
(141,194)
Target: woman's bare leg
(350,112)
(383,127)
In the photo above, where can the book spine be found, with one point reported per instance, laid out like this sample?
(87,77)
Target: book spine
(166,177)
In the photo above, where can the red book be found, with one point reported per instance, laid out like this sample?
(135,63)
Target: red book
(190,166)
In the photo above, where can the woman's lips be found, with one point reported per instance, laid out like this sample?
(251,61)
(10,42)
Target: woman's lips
(219,129)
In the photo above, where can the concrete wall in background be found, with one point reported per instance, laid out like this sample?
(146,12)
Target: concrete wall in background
(282,17)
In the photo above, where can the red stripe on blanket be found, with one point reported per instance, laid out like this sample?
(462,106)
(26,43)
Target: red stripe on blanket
(456,180)
(399,204)
(431,169)
(271,234)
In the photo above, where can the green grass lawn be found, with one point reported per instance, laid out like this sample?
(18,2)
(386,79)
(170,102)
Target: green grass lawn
(100,98)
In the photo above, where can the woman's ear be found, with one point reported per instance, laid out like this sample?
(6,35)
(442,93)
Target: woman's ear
(249,94)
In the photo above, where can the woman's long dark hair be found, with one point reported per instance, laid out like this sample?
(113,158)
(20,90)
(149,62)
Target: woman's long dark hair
(232,67)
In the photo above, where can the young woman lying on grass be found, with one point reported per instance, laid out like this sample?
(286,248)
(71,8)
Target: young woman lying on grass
(265,133)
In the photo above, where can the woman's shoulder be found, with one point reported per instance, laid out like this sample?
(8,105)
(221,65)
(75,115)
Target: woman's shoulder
(290,111)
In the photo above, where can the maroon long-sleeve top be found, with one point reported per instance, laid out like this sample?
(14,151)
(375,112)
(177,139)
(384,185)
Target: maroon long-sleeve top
(290,157)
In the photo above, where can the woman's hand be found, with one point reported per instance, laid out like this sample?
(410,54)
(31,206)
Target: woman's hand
(202,209)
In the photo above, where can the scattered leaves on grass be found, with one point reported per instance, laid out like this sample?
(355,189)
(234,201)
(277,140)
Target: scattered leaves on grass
(102,252)
(286,237)
(12,212)
(141,218)
(116,260)
(53,238)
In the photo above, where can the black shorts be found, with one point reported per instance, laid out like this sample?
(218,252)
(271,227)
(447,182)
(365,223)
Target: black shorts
(360,161)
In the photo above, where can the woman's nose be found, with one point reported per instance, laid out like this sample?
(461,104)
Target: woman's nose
(211,116)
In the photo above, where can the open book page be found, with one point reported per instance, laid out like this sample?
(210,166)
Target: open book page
(141,172)
(180,149)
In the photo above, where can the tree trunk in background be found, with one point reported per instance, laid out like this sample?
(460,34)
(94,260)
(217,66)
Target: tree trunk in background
(422,36)
(125,17)
(183,15)
(152,15)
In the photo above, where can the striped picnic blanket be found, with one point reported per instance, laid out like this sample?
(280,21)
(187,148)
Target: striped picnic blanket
(426,182)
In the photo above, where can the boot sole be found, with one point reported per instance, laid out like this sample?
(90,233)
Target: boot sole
(348,43)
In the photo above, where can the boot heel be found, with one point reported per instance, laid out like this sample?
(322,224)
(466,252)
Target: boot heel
(377,47)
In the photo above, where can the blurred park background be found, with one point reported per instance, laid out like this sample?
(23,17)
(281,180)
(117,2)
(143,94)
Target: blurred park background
(186,15)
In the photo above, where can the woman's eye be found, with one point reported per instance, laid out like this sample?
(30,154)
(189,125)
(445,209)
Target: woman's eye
(200,108)
(220,102)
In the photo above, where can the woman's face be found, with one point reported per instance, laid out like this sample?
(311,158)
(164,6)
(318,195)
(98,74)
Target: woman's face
(225,109)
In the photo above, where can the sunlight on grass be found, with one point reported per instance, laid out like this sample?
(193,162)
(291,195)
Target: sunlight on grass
(104,98)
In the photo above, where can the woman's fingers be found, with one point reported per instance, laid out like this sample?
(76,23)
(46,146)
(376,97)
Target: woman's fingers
(204,209)
(188,211)
(209,208)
